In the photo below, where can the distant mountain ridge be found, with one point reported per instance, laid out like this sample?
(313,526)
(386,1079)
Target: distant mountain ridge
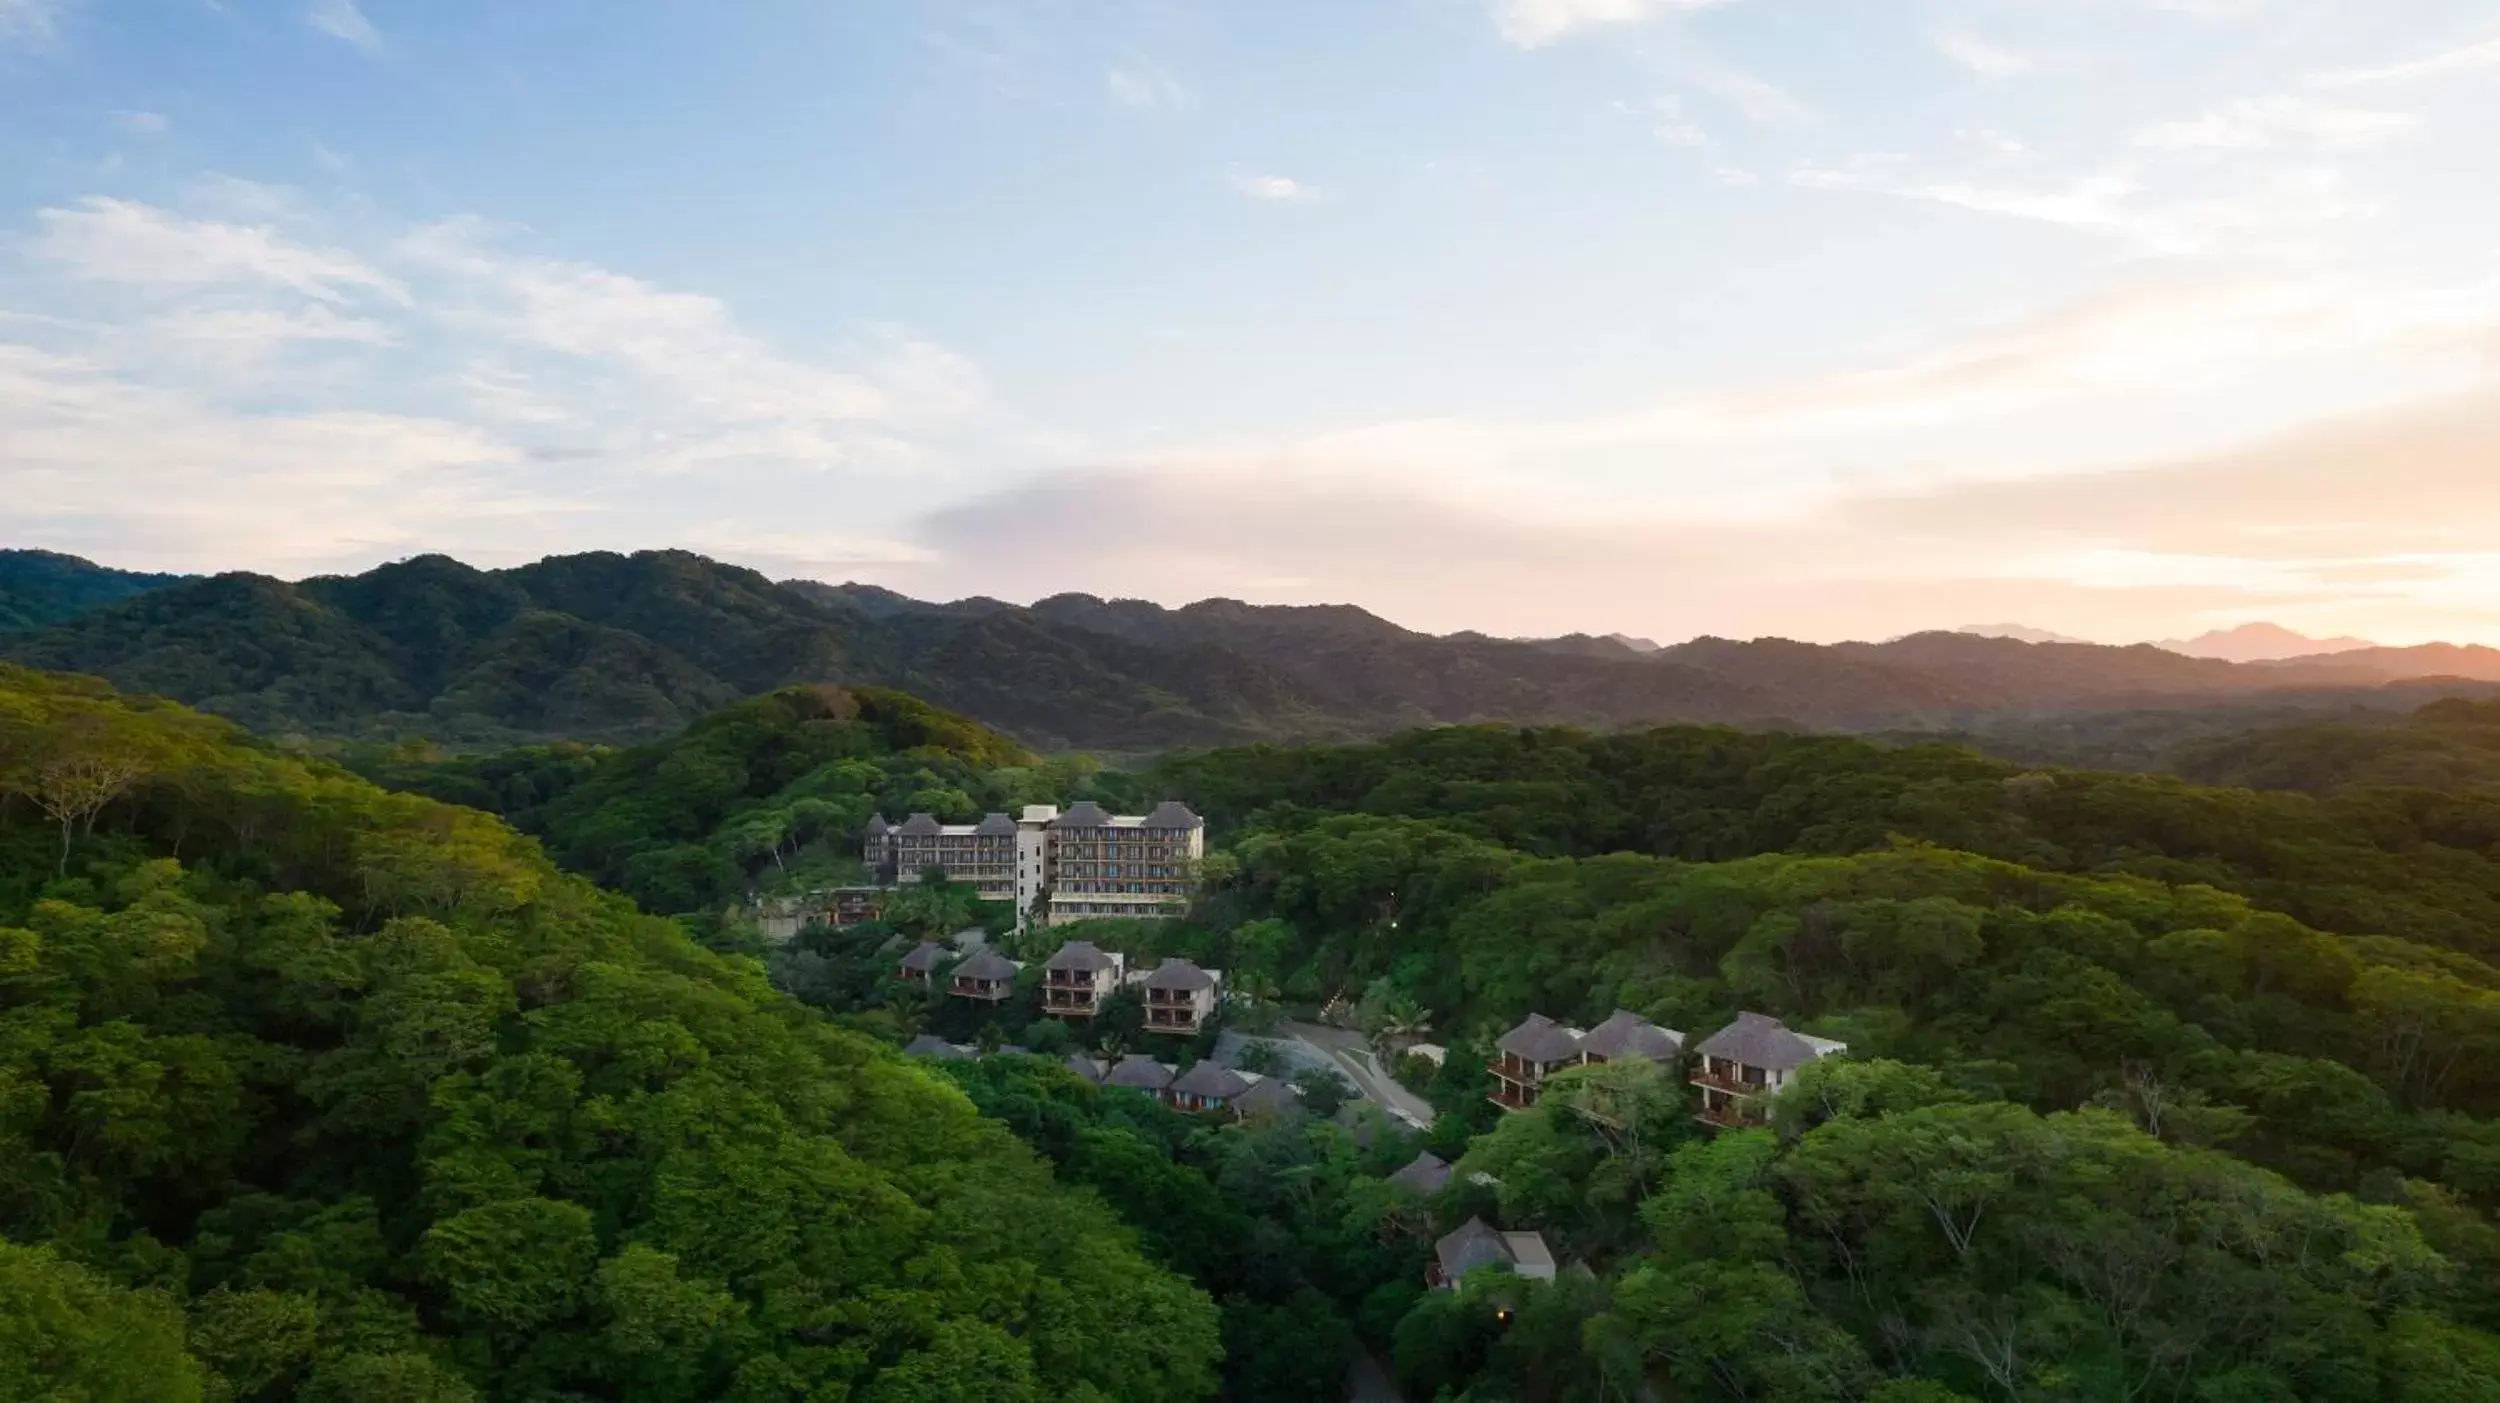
(2018,633)
(2262,643)
(614,647)
(39,588)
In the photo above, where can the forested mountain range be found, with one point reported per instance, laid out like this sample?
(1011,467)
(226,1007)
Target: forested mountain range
(613,647)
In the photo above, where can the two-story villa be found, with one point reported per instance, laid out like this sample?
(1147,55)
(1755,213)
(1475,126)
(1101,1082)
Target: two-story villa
(1527,1055)
(988,977)
(1476,1244)
(1748,1060)
(1077,979)
(1180,997)
(920,962)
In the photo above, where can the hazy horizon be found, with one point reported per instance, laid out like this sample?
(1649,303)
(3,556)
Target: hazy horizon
(2122,319)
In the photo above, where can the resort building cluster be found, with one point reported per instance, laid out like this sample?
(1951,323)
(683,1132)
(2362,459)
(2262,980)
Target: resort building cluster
(1736,1068)
(1179,997)
(1206,1087)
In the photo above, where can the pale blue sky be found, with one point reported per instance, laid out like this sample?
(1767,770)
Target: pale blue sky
(1815,317)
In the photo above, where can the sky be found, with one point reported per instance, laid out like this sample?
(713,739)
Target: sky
(1811,318)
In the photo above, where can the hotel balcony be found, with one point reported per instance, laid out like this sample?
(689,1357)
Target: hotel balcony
(1731,1084)
(1511,1095)
(1729,1112)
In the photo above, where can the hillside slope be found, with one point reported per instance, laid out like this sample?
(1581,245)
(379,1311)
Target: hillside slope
(362,1100)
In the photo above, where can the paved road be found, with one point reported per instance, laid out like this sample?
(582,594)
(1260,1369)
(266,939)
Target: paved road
(1308,1045)
(1368,1382)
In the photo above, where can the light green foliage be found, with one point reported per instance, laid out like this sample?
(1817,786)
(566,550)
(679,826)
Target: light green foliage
(67,1335)
(362,1102)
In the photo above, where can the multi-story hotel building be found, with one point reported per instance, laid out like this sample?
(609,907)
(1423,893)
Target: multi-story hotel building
(1056,867)
(979,855)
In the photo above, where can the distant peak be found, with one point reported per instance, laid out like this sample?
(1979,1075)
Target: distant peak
(2021,633)
(2261,642)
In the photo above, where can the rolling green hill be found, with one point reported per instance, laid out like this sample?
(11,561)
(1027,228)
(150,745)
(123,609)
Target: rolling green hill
(320,1094)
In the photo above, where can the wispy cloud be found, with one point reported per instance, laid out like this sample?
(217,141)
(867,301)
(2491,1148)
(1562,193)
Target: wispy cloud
(1671,124)
(2272,209)
(1139,84)
(142,123)
(1280,188)
(2473,58)
(122,241)
(1414,519)
(1758,98)
(2210,11)
(308,384)
(30,22)
(1532,24)
(2265,123)
(1983,58)
(340,19)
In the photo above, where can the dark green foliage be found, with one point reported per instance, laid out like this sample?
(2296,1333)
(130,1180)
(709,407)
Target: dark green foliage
(622,648)
(362,1100)
(625,648)
(1280,1221)
(2450,746)
(39,588)
(2402,863)
(769,794)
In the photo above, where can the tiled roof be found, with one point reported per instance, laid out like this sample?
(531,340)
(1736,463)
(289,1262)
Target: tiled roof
(1425,1175)
(1171,813)
(1140,1072)
(1177,973)
(1266,1096)
(1759,1040)
(989,965)
(924,957)
(1540,1039)
(930,1045)
(1472,1244)
(1211,1079)
(1085,1067)
(1627,1034)
(876,826)
(994,826)
(1084,813)
(1081,954)
(919,826)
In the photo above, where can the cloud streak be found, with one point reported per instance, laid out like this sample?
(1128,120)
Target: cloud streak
(1533,24)
(341,20)
(1279,189)
(2473,58)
